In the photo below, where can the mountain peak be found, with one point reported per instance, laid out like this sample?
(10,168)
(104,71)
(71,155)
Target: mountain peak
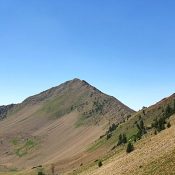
(76,80)
(52,92)
(80,96)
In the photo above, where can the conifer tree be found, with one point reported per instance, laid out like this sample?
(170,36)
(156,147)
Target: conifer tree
(168,125)
(120,140)
(130,147)
(124,139)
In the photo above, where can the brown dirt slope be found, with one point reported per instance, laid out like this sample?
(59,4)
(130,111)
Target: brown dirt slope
(56,125)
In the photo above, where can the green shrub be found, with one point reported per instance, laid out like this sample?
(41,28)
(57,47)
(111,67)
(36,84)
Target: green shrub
(130,147)
(139,135)
(108,136)
(168,111)
(124,139)
(112,128)
(100,163)
(168,125)
(40,173)
(120,140)
(159,124)
(141,129)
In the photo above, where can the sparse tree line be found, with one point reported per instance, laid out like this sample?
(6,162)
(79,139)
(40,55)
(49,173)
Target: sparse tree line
(112,128)
(162,123)
(122,140)
(41,171)
(158,124)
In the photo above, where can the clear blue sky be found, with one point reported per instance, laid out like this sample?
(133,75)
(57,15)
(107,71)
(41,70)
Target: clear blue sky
(126,48)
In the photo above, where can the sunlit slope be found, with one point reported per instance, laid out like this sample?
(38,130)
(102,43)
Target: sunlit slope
(56,125)
(153,154)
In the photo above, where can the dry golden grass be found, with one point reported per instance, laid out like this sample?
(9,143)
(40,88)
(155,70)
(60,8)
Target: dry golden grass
(154,155)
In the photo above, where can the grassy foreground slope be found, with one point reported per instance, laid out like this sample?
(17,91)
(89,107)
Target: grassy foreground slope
(153,155)
(129,127)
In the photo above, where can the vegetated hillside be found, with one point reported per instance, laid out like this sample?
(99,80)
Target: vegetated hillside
(148,117)
(152,155)
(158,110)
(152,132)
(57,125)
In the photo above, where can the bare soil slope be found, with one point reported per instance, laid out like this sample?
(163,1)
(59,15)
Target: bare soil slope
(56,125)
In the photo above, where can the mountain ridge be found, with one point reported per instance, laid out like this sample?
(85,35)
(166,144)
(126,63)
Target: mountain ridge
(57,125)
(74,85)
(74,124)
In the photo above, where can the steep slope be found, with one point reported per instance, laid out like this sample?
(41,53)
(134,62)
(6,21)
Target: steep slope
(157,110)
(74,95)
(4,110)
(161,110)
(57,125)
(153,154)
(77,95)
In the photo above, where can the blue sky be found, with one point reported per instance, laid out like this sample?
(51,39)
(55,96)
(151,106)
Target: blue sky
(124,48)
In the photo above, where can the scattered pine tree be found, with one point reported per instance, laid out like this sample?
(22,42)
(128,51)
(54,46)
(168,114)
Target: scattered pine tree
(112,128)
(130,147)
(108,136)
(40,173)
(141,129)
(168,125)
(122,139)
(159,124)
(168,111)
(139,135)
(100,163)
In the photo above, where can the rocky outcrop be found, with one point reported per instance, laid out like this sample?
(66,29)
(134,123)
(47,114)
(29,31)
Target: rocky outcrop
(4,110)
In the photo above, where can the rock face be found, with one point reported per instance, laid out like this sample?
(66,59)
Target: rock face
(4,110)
